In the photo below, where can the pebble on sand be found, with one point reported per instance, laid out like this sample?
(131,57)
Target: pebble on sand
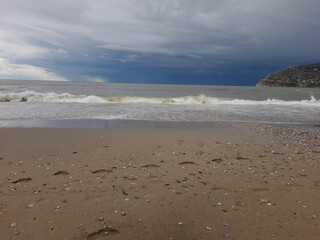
(31,205)
(264,201)
(13,225)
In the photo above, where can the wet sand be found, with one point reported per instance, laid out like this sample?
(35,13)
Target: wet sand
(232,181)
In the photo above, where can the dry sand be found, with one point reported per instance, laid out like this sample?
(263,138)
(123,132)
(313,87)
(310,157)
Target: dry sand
(235,181)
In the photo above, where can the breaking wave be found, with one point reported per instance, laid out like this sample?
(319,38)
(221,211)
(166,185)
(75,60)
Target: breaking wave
(31,96)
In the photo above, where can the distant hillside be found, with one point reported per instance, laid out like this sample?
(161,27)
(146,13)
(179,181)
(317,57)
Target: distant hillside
(306,76)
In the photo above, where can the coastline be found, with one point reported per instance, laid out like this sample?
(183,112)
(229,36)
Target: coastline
(141,124)
(137,181)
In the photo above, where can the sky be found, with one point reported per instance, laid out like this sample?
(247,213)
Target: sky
(214,42)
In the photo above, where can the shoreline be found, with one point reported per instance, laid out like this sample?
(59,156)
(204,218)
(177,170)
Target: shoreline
(220,181)
(127,124)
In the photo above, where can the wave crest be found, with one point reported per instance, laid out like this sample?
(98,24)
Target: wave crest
(32,96)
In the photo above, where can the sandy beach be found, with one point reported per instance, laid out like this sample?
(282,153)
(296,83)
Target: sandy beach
(232,181)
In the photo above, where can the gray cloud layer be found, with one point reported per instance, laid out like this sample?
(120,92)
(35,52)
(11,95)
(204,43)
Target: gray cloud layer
(203,34)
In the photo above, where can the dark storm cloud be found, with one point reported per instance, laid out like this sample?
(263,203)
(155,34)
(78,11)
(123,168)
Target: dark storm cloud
(87,40)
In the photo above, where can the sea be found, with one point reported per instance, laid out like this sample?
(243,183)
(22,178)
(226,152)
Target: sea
(32,102)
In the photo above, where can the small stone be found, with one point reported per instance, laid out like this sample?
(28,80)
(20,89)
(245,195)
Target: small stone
(180,223)
(209,228)
(100,218)
(13,225)
(58,207)
(264,201)
(51,228)
(16,233)
(219,204)
(64,201)
(226,225)
(31,205)
(123,213)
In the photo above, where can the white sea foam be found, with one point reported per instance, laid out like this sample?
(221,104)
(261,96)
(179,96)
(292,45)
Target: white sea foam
(32,96)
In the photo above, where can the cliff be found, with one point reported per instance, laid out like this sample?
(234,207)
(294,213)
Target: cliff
(307,76)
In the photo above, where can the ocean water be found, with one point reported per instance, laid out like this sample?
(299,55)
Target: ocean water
(42,100)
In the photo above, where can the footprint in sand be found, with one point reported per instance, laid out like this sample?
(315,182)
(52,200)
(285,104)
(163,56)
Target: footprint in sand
(61,173)
(260,189)
(150,166)
(242,158)
(218,160)
(187,163)
(108,231)
(101,170)
(22,180)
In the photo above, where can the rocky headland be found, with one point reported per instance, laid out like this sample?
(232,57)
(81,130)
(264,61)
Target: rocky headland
(306,76)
